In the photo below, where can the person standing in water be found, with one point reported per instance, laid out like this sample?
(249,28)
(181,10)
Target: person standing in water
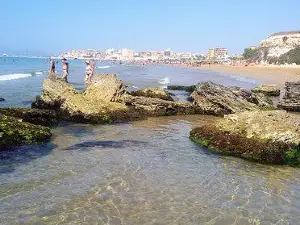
(52,69)
(65,69)
(52,66)
(93,70)
(88,71)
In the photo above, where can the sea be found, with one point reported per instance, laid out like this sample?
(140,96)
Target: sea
(142,172)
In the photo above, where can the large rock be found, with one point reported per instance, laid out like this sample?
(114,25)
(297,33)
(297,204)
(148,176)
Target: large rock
(35,116)
(219,100)
(270,90)
(2,99)
(153,93)
(291,98)
(14,132)
(104,100)
(263,136)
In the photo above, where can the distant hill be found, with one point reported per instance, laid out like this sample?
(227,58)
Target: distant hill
(278,48)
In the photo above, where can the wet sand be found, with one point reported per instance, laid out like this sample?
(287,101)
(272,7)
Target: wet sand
(266,74)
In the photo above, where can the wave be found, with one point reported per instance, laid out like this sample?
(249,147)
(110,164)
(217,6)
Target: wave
(38,73)
(164,81)
(14,76)
(102,67)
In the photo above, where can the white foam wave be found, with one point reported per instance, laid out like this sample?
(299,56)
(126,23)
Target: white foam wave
(164,81)
(38,73)
(102,67)
(14,76)
(135,87)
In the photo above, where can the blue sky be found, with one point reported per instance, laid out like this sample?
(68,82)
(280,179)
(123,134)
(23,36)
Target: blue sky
(53,26)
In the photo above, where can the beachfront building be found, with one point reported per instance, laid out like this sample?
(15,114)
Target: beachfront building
(211,53)
(221,53)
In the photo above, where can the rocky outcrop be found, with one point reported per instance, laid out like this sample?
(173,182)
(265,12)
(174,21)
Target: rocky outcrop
(14,132)
(291,98)
(280,43)
(269,90)
(2,99)
(263,136)
(219,100)
(104,100)
(153,93)
(34,116)
(182,88)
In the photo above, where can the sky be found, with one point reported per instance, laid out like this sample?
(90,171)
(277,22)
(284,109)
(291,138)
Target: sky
(50,27)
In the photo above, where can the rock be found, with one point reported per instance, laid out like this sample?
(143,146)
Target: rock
(104,100)
(263,136)
(219,100)
(269,90)
(153,93)
(55,92)
(261,100)
(158,107)
(291,98)
(2,99)
(14,132)
(34,116)
(182,88)
(105,87)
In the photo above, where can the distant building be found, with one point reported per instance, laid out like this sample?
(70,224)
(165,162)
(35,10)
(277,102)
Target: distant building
(168,53)
(211,53)
(221,53)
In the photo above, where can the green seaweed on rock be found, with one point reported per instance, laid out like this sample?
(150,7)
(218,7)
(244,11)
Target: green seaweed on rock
(260,150)
(15,132)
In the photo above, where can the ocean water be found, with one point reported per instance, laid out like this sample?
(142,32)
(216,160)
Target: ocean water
(143,172)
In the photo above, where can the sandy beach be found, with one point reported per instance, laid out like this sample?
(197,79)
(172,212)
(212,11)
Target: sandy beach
(266,74)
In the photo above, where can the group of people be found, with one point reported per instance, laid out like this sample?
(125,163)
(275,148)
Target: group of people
(89,69)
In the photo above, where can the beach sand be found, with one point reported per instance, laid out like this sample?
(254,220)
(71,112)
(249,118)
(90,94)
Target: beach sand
(277,75)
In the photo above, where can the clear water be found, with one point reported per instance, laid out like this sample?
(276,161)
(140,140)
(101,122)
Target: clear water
(144,172)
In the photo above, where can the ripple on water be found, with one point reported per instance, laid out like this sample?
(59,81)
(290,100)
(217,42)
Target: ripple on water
(145,172)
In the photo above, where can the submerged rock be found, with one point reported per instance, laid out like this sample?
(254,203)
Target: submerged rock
(153,93)
(263,136)
(2,99)
(270,90)
(182,88)
(34,116)
(14,132)
(291,98)
(219,100)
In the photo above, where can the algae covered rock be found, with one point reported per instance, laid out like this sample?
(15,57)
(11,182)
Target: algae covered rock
(270,90)
(153,93)
(291,98)
(219,100)
(182,88)
(14,132)
(263,136)
(34,116)
(158,107)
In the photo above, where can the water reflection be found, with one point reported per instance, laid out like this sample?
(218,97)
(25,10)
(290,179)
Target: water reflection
(145,172)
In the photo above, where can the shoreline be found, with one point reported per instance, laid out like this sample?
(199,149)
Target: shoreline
(276,75)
